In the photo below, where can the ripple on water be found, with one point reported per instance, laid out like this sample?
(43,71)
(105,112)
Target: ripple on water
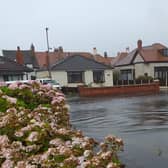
(142,122)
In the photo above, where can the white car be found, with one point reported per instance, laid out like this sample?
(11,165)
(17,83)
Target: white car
(52,82)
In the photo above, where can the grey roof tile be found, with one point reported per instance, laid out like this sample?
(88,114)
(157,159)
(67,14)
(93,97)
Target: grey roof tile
(79,63)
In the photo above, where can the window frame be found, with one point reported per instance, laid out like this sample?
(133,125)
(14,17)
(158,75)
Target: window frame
(98,76)
(79,75)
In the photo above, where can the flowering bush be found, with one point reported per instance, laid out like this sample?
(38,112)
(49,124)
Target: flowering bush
(35,132)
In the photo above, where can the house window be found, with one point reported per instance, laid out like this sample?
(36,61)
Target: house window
(75,77)
(12,77)
(164,52)
(98,76)
(126,74)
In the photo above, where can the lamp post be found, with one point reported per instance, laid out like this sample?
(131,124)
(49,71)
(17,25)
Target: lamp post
(48,50)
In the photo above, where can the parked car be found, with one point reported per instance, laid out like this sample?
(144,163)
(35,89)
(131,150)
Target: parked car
(52,82)
(20,81)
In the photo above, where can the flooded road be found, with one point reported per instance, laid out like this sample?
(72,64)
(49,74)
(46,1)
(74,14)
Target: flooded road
(142,122)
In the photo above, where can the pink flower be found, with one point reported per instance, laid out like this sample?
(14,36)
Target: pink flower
(13,86)
(4,141)
(7,164)
(46,87)
(2,84)
(33,136)
(24,86)
(12,100)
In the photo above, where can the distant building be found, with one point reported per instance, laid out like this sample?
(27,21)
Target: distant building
(11,70)
(78,70)
(143,61)
(23,57)
(39,61)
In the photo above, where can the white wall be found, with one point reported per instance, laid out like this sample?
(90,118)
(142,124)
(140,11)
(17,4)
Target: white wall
(42,74)
(108,77)
(138,59)
(60,77)
(124,67)
(141,69)
(88,77)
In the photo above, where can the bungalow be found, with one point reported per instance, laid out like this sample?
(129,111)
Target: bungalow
(23,57)
(78,70)
(10,70)
(43,60)
(143,61)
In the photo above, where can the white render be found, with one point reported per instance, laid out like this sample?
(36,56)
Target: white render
(88,77)
(61,78)
(42,74)
(108,77)
(138,59)
(142,68)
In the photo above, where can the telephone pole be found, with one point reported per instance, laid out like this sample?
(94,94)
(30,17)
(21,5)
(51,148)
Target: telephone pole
(48,50)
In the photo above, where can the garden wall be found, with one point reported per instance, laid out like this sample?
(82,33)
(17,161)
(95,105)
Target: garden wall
(119,90)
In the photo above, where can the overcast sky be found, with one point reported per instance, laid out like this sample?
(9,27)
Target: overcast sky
(80,25)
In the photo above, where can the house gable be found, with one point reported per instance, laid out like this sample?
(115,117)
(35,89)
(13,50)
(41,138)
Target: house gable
(9,66)
(29,58)
(79,63)
(138,59)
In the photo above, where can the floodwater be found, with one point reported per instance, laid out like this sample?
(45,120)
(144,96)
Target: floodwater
(142,122)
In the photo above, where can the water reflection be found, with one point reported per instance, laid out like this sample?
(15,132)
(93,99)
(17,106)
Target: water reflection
(141,121)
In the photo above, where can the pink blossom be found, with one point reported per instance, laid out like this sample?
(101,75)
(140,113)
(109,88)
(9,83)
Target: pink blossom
(12,100)
(7,164)
(4,141)
(46,87)
(11,110)
(33,136)
(13,86)
(24,86)
(2,84)
(7,153)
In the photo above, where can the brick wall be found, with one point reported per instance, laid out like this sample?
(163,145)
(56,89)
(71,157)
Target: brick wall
(119,90)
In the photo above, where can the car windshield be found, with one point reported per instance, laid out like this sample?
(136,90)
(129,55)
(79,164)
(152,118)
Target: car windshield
(53,82)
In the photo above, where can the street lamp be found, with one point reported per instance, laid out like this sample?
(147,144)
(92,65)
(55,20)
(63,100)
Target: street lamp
(48,50)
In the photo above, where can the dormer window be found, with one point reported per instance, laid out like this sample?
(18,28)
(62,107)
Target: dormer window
(164,52)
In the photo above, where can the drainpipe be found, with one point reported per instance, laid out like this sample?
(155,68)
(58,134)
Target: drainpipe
(166,78)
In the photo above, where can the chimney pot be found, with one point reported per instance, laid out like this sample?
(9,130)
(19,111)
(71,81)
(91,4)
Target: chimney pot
(19,56)
(105,54)
(127,49)
(94,51)
(139,44)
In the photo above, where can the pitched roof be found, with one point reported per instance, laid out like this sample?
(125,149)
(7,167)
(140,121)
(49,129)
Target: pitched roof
(8,66)
(28,56)
(119,57)
(79,63)
(148,53)
(57,56)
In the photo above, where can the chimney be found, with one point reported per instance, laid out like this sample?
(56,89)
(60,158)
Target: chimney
(105,54)
(118,54)
(60,49)
(32,48)
(127,49)
(19,56)
(94,51)
(55,49)
(139,44)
